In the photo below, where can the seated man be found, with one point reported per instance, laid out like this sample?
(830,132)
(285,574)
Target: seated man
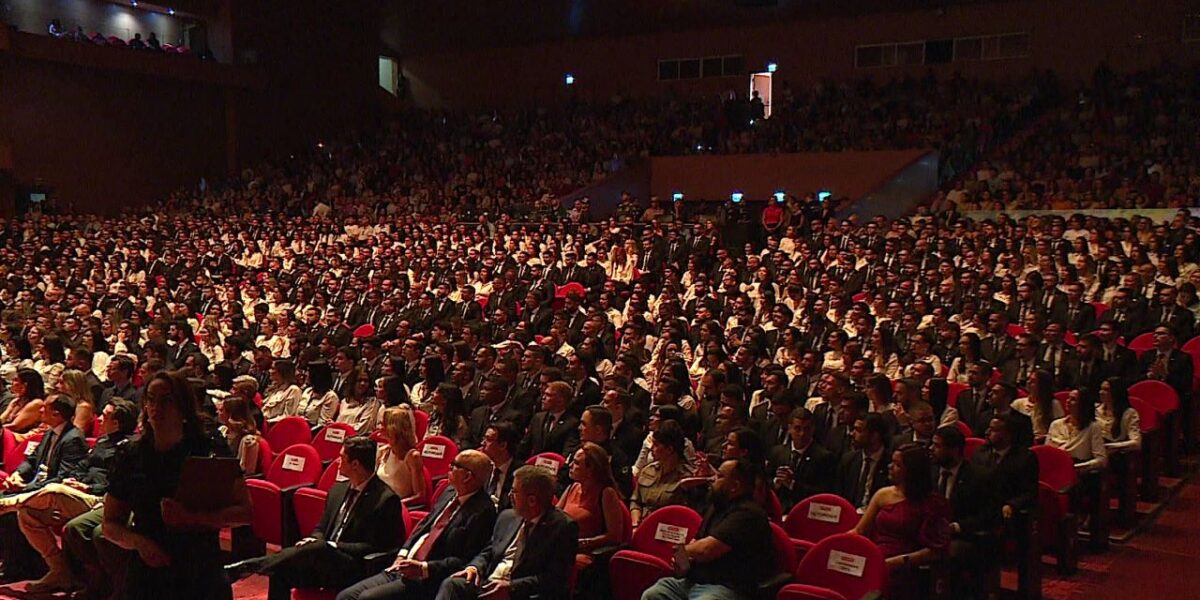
(57,503)
(532,550)
(803,467)
(455,531)
(966,486)
(728,558)
(362,517)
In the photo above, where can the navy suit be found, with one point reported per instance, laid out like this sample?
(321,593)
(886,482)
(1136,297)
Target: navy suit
(542,567)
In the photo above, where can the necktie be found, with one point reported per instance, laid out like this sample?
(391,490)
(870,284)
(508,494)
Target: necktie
(434,532)
(944,483)
(783,435)
(864,480)
(344,513)
(547,426)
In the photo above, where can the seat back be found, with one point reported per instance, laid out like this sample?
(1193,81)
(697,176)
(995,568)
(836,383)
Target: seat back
(1101,308)
(846,563)
(420,423)
(547,460)
(21,450)
(297,465)
(436,452)
(308,504)
(266,456)
(818,517)
(329,440)
(1161,396)
(773,507)
(783,550)
(1055,467)
(1142,343)
(964,429)
(953,390)
(973,444)
(288,432)
(1062,396)
(1147,415)
(658,533)
(330,476)
(8,447)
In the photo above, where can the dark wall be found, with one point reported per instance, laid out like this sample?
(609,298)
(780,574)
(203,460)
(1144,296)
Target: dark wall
(33,16)
(105,140)
(1070,37)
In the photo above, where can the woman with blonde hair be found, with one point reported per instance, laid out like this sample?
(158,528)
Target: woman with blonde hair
(399,462)
(74,383)
(240,430)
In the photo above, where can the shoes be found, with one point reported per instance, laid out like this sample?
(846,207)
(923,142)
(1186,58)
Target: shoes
(242,569)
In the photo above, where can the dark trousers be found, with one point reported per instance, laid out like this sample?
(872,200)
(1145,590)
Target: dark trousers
(457,588)
(101,563)
(390,586)
(315,564)
(21,561)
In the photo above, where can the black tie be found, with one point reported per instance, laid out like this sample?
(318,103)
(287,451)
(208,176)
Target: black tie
(944,483)
(863,479)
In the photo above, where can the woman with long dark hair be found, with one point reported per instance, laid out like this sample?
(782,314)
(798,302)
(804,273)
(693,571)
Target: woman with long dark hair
(1040,405)
(22,415)
(432,372)
(447,413)
(174,548)
(318,401)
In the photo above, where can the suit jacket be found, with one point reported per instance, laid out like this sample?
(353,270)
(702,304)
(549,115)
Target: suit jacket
(462,539)
(544,565)
(67,461)
(483,417)
(1014,479)
(1179,370)
(374,524)
(972,501)
(813,472)
(1182,321)
(1126,321)
(1084,319)
(1122,362)
(848,479)
(998,349)
(561,439)
(628,436)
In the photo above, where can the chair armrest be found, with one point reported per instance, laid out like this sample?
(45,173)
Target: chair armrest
(291,489)
(769,588)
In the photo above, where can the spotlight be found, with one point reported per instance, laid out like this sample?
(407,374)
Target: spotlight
(569,79)
(780,196)
(170,11)
(677,196)
(823,195)
(736,197)
(771,67)
(133,3)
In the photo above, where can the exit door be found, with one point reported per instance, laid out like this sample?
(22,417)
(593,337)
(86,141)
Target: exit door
(761,83)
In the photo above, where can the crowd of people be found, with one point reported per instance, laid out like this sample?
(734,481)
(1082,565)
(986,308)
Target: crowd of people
(380,278)
(150,43)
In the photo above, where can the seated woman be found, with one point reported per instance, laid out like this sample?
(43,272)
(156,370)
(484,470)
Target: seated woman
(432,373)
(1040,406)
(399,462)
(318,401)
(659,415)
(907,520)
(283,396)
(658,483)
(937,393)
(446,413)
(1120,424)
(1080,435)
(239,429)
(22,416)
(51,360)
(594,503)
(360,408)
(74,383)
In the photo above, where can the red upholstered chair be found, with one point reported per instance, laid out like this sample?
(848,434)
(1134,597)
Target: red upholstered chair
(266,457)
(437,451)
(328,441)
(1057,524)
(964,428)
(548,460)
(420,423)
(1101,308)
(288,432)
(648,558)
(818,517)
(1165,400)
(846,566)
(973,444)
(309,502)
(1142,343)
(417,515)
(1014,330)
(15,455)
(774,507)
(1152,443)
(294,468)
(313,594)
(954,389)
(364,331)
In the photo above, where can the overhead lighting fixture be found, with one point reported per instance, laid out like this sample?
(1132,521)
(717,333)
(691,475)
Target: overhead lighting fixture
(772,67)
(170,11)
(569,79)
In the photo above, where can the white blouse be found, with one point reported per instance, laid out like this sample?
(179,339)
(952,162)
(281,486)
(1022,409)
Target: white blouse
(1086,446)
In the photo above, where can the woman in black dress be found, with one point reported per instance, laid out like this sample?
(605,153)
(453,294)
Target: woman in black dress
(177,550)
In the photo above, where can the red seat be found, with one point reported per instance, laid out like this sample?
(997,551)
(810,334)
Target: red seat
(266,456)
(973,444)
(964,428)
(418,515)
(328,441)
(364,331)
(1152,440)
(648,558)
(1101,308)
(1056,523)
(953,390)
(773,507)
(294,468)
(786,557)
(818,517)
(420,423)
(567,289)
(1013,330)
(847,566)
(437,451)
(14,456)
(548,460)
(1161,396)
(288,432)
(1165,400)
(1062,396)
(309,502)
(1142,343)
(313,594)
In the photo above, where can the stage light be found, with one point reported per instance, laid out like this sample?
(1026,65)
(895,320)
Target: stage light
(170,11)
(780,196)
(823,195)
(736,197)
(133,3)
(771,67)
(677,196)
(569,79)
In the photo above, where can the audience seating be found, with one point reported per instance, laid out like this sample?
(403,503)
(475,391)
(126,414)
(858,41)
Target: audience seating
(818,517)
(1152,441)
(650,552)
(1057,523)
(288,432)
(419,514)
(846,566)
(1142,343)
(294,468)
(437,452)
(420,423)
(973,444)
(266,457)
(1165,400)
(548,460)
(328,441)
(309,502)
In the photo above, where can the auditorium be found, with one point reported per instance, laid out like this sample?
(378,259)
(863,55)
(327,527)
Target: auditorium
(599,299)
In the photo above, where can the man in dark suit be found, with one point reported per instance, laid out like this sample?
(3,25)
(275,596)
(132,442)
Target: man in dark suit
(531,552)
(553,429)
(1080,316)
(1121,361)
(1125,316)
(627,431)
(500,444)
(973,514)
(496,407)
(1056,356)
(997,347)
(973,401)
(1089,368)
(1180,320)
(1173,367)
(361,524)
(864,469)
(1013,469)
(453,532)
(120,373)
(59,455)
(181,333)
(803,467)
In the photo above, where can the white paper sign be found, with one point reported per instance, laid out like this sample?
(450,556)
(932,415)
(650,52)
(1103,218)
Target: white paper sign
(434,451)
(547,463)
(292,462)
(31,448)
(850,564)
(828,513)
(335,436)
(672,534)
(340,477)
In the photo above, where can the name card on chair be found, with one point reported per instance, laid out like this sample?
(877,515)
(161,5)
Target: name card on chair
(829,513)
(844,562)
(293,463)
(672,534)
(30,448)
(335,436)
(434,451)
(339,477)
(549,464)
